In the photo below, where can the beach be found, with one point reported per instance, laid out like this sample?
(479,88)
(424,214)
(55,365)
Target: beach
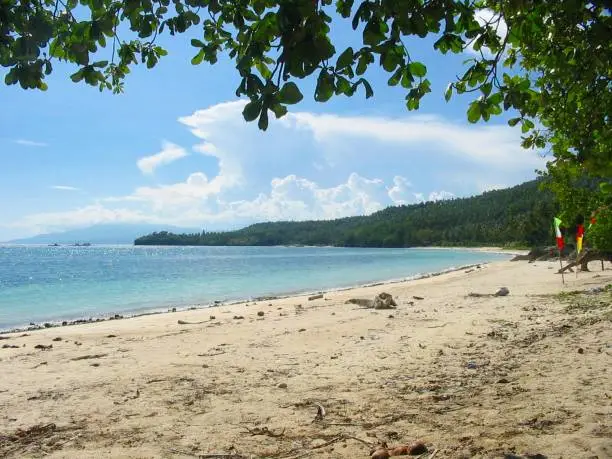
(468,375)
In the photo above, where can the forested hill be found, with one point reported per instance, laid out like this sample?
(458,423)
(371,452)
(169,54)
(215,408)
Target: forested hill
(518,215)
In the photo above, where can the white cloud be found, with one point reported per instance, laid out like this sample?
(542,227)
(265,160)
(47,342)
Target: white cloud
(441,195)
(483,187)
(94,214)
(309,166)
(168,154)
(30,143)
(65,188)
(488,144)
(401,191)
(179,195)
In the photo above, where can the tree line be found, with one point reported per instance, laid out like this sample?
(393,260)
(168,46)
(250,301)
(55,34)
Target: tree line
(519,216)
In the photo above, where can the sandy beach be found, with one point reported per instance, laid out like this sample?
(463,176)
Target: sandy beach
(470,376)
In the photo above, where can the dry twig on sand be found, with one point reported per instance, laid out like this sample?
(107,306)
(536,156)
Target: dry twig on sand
(264,431)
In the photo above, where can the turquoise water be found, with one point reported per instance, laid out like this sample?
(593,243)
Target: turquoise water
(39,284)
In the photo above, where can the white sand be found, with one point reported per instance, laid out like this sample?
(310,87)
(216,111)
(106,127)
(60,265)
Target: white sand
(471,377)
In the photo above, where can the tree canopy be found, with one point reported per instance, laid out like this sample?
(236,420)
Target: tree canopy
(553,65)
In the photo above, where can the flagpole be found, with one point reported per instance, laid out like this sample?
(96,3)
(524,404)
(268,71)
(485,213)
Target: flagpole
(561,264)
(577,266)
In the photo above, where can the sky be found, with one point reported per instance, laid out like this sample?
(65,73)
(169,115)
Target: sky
(175,150)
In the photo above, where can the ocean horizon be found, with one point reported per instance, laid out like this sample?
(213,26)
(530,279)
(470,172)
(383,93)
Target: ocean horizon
(41,284)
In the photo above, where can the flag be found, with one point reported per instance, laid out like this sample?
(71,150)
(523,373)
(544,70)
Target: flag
(579,237)
(558,234)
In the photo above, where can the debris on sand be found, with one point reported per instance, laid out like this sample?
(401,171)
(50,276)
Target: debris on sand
(502,291)
(315,297)
(89,356)
(381,301)
(384,301)
(413,449)
(44,347)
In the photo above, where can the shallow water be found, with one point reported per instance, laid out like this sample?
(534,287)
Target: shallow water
(39,284)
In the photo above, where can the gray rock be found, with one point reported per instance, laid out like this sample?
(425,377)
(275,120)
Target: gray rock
(503,291)
(361,302)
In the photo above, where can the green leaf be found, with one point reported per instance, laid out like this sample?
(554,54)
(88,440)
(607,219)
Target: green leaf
(197,43)
(345,59)
(325,87)
(263,69)
(77,76)
(252,110)
(513,121)
(374,32)
(449,92)
(474,112)
(278,110)
(368,88)
(263,120)
(412,103)
(365,59)
(343,86)
(198,58)
(290,94)
(417,69)
(396,77)
(486,88)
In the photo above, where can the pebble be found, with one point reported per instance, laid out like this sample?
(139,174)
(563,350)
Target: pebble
(260,313)
(580,350)
(282,385)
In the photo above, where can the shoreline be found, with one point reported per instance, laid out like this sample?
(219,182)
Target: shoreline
(61,323)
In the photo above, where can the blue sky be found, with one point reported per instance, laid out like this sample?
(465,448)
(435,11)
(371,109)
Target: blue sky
(174,149)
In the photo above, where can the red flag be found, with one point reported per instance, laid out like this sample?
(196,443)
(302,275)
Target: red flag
(558,233)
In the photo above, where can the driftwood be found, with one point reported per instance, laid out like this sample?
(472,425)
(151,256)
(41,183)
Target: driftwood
(585,257)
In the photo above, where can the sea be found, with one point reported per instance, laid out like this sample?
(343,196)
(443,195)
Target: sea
(41,284)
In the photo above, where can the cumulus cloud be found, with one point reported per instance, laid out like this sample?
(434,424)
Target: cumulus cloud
(168,154)
(309,166)
(486,144)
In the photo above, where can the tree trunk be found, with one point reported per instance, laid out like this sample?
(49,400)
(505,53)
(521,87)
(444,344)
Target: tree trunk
(585,257)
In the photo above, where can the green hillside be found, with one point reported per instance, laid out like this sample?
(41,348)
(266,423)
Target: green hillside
(520,215)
